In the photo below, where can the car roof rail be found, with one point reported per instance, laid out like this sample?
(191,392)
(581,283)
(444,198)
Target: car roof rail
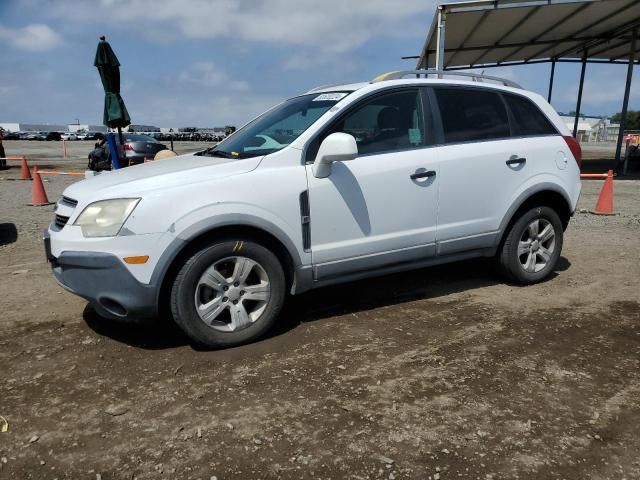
(476,77)
(330,85)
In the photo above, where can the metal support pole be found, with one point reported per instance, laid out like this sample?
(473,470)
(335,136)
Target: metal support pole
(627,90)
(579,104)
(440,40)
(553,73)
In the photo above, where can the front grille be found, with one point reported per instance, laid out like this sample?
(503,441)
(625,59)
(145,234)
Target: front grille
(60,221)
(69,202)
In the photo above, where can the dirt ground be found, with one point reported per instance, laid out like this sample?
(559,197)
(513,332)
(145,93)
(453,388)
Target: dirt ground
(441,373)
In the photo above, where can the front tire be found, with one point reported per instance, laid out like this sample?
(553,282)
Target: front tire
(532,247)
(228,293)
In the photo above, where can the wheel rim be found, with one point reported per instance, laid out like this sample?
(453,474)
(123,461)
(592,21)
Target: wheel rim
(536,245)
(232,294)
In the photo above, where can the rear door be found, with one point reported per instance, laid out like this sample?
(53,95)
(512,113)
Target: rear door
(481,166)
(379,209)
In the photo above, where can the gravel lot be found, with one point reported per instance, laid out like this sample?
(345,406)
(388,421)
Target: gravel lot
(442,373)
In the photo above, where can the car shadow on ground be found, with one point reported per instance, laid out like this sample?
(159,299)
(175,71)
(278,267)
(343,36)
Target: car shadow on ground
(8,233)
(343,299)
(158,334)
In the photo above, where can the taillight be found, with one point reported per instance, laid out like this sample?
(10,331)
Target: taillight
(128,146)
(574,146)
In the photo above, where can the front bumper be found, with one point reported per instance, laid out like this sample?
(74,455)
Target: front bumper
(103,280)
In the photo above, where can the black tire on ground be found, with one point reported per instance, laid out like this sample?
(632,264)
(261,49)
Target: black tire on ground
(183,293)
(508,259)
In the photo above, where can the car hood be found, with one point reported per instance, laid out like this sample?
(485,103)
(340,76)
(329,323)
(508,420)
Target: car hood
(159,175)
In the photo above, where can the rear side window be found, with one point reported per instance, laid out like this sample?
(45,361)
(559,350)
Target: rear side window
(529,120)
(472,115)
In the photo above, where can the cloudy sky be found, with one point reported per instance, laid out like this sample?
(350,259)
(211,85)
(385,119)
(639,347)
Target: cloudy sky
(217,62)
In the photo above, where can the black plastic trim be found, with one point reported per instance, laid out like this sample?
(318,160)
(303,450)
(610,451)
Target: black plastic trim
(305,218)
(103,280)
(69,202)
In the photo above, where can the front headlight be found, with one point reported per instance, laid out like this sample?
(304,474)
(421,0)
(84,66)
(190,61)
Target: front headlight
(106,217)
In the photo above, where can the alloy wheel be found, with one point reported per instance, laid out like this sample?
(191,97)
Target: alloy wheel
(536,245)
(232,294)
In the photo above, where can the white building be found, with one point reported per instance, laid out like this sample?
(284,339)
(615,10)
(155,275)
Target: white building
(10,127)
(593,129)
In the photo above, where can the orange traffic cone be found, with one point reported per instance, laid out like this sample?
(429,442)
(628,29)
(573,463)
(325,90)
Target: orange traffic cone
(38,195)
(25,174)
(605,200)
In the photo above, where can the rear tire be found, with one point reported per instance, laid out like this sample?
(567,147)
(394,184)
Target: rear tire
(228,294)
(532,246)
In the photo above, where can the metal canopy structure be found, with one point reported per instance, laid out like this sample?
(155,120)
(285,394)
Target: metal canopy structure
(493,33)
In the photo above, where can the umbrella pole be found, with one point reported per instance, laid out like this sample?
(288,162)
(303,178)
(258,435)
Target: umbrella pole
(121,141)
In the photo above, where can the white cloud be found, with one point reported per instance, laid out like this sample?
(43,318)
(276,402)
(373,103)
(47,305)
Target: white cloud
(208,75)
(34,37)
(603,90)
(329,25)
(183,108)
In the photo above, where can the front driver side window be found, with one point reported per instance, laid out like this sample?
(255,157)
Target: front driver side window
(392,121)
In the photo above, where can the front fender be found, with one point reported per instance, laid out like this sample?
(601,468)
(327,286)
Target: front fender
(242,214)
(220,215)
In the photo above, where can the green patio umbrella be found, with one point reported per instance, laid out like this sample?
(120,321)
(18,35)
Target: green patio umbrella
(115,113)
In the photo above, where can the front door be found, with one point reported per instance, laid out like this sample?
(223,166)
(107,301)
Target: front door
(379,209)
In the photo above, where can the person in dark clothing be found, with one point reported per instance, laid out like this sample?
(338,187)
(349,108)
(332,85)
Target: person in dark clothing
(3,162)
(99,157)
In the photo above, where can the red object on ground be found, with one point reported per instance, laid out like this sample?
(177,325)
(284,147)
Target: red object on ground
(25,174)
(38,195)
(605,200)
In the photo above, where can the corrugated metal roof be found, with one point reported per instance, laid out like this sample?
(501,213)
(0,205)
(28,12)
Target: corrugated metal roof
(496,32)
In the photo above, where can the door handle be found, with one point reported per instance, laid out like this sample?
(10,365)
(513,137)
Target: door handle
(427,174)
(515,160)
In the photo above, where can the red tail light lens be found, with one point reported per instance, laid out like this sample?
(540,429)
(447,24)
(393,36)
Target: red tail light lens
(128,146)
(574,146)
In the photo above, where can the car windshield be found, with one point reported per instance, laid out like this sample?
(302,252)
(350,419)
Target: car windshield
(276,128)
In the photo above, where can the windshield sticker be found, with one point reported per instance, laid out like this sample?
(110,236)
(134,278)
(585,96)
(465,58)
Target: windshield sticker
(414,136)
(330,97)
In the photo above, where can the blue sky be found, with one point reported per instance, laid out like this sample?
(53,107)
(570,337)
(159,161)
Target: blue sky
(217,62)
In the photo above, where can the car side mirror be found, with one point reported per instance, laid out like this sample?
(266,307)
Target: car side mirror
(337,147)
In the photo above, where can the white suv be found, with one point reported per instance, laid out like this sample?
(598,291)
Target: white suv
(343,182)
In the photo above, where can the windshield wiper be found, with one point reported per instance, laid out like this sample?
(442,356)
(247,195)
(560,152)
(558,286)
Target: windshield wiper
(221,153)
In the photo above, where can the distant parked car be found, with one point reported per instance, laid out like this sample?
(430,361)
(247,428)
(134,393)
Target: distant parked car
(36,136)
(137,148)
(82,135)
(69,136)
(54,136)
(11,135)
